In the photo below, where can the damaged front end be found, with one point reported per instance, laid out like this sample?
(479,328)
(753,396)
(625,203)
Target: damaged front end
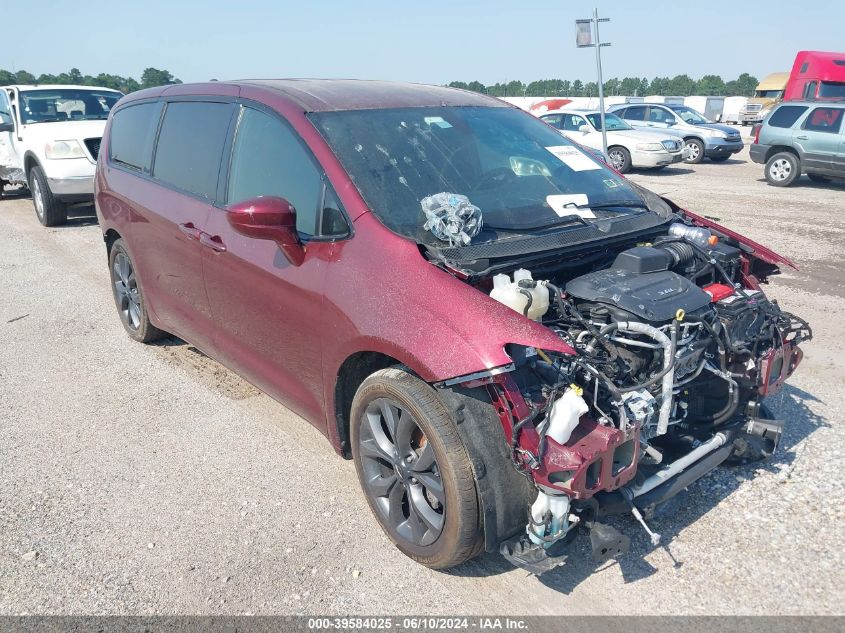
(672,347)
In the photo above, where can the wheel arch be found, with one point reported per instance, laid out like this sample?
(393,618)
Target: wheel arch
(777,149)
(351,373)
(110,237)
(30,160)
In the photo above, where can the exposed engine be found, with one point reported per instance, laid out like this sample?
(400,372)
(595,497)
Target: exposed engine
(673,354)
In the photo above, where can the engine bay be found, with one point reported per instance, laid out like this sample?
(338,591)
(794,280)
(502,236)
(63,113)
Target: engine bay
(674,346)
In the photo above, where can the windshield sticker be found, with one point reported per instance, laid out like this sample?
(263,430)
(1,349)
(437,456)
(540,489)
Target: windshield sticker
(565,204)
(611,184)
(573,158)
(439,121)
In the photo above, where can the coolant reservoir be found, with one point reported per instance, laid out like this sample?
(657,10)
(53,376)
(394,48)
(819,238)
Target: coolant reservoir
(565,413)
(511,293)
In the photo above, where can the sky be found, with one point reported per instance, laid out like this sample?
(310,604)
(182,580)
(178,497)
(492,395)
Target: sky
(429,41)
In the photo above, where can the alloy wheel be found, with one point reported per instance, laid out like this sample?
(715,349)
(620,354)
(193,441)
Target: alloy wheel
(780,169)
(616,158)
(38,198)
(401,473)
(126,291)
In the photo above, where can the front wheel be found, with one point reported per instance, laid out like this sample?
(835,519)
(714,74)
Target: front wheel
(620,159)
(50,210)
(783,169)
(695,149)
(414,469)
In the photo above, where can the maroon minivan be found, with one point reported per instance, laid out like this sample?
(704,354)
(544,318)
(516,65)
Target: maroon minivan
(509,338)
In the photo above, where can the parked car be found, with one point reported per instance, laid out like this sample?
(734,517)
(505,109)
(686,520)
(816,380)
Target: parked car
(49,139)
(703,137)
(626,147)
(459,297)
(801,137)
(767,95)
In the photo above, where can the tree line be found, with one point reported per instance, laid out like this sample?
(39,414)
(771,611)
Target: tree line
(150,78)
(680,85)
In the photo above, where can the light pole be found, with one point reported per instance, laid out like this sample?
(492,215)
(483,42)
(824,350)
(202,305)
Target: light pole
(584,39)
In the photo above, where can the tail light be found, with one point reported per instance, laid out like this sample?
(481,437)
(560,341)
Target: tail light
(756,132)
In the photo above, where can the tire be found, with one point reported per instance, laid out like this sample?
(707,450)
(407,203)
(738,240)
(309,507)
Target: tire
(128,296)
(818,178)
(719,159)
(782,169)
(50,210)
(403,437)
(620,158)
(696,151)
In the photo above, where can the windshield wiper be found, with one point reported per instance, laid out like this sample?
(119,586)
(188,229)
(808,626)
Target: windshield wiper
(561,221)
(624,204)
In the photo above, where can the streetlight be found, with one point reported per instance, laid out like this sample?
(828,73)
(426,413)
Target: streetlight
(584,39)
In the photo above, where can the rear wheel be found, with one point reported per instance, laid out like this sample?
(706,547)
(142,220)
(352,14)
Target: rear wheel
(128,296)
(620,159)
(783,169)
(696,150)
(50,210)
(414,469)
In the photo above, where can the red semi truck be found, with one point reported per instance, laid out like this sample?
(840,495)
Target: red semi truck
(816,75)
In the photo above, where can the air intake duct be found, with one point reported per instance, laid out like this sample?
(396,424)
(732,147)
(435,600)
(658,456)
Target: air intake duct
(651,259)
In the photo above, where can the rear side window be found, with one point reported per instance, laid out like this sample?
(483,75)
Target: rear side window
(269,160)
(636,113)
(824,120)
(786,116)
(190,145)
(132,135)
(553,120)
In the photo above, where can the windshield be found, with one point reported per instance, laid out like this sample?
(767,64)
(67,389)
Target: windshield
(690,116)
(518,171)
(611,121)
(832,90)
(66,104)
(768,94)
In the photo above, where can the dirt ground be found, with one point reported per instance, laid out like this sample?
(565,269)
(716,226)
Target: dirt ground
(150,480)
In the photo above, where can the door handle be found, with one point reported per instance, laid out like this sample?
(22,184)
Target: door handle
(802,137)
(190,231)
(213,242)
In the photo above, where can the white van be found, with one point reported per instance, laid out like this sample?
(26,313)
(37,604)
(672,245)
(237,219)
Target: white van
(49,141)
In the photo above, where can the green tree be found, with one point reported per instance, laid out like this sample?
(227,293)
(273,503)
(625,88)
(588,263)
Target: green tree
(659,86)
(710,85)
(476,86)
(746,85)
(577,89)
(681,85)
(612,87)
(591,89)
(152,77)
(458,84)
(23,77)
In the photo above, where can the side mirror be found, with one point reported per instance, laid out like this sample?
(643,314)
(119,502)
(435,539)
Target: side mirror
(584,129)
(268,218)
(7,126)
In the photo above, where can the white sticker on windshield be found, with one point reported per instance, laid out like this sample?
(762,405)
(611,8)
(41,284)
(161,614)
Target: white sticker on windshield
(439,121)
(568,204)
(573,158)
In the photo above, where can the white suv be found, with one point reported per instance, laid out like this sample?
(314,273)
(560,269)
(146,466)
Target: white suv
(49,141)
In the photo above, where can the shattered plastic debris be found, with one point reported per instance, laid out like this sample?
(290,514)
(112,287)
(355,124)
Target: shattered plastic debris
(451,217)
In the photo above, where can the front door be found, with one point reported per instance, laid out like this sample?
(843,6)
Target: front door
(268,312)
(819,137)
(11,166)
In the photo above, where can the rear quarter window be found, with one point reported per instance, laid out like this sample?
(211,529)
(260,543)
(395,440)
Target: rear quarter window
(786,116)
(190,145)
(132,135)
(824,120)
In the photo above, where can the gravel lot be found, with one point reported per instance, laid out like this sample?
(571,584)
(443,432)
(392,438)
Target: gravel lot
(150,480)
